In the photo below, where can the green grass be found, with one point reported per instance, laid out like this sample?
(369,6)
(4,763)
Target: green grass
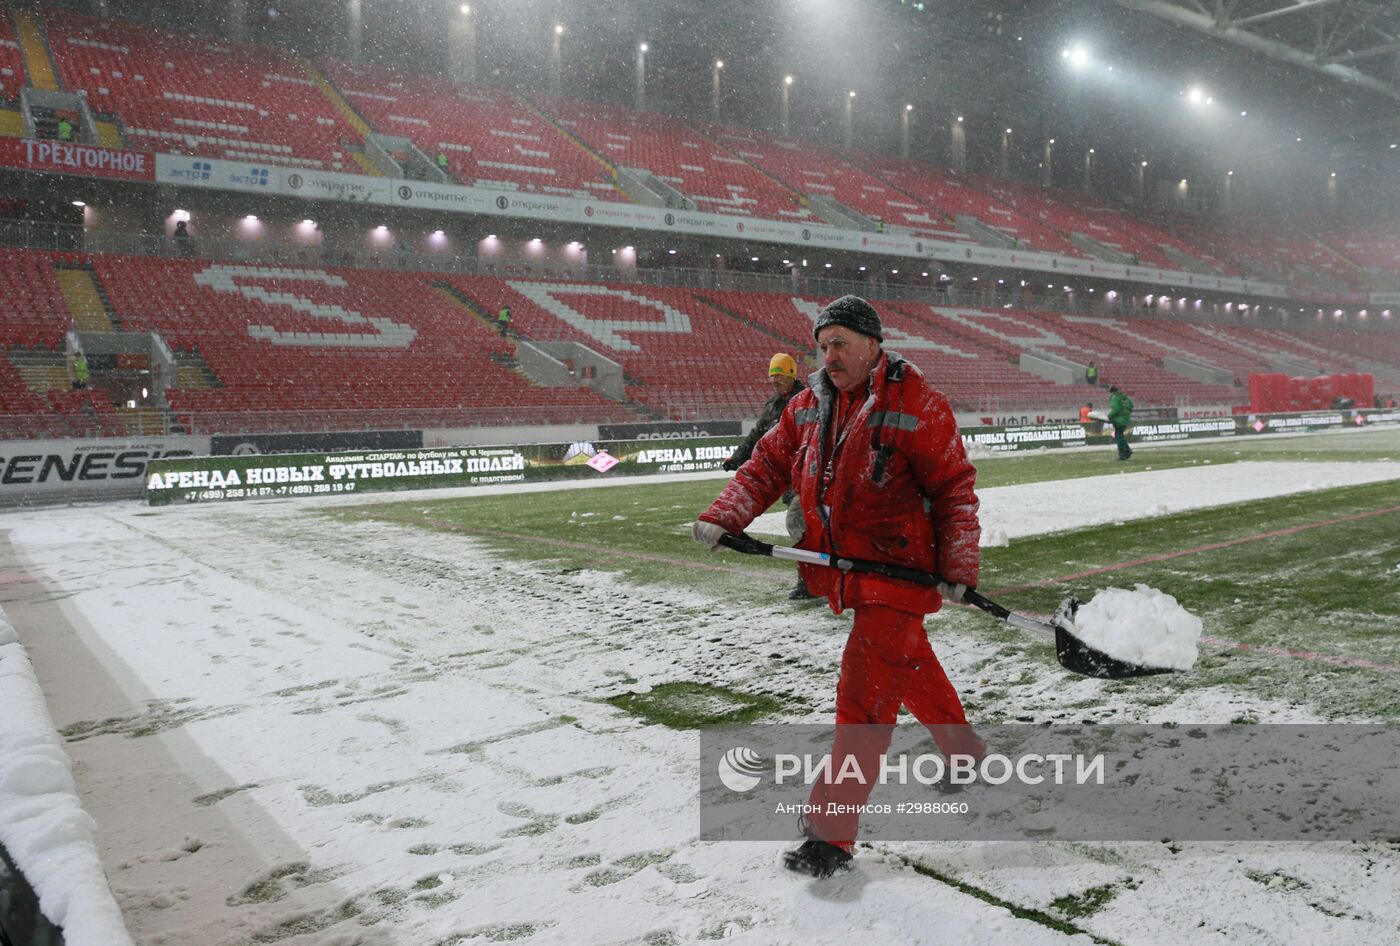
(693,705)
(1079,905)
(1330,590)
(1032,914)
(1334,589)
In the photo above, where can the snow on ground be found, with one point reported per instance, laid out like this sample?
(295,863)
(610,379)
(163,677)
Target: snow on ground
(1017,512)
(42,822)
(297,730)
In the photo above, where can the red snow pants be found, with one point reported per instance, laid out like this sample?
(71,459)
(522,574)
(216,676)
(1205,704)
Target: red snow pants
(887,663)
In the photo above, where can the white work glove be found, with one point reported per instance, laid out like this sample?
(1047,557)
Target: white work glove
(953,593)
(707,534)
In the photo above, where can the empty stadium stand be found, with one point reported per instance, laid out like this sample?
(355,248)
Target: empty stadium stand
(1313,263)
(678,354)
(1071,214)
(712,176)
(489,136)
(264,347)
(11,63)
(950,196)
(1377,352)
(1377,252)
(1321,261)
(171,92)
(814,171)
(33,312)
(350,347)
(195,95)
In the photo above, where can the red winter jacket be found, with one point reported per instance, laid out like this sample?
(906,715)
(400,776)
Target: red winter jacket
(900,490)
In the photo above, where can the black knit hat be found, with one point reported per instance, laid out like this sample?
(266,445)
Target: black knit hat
(855,314)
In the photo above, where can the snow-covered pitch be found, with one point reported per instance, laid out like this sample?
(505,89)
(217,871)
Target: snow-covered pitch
(306,730)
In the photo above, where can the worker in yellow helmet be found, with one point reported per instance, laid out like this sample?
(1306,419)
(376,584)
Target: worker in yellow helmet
(782,374)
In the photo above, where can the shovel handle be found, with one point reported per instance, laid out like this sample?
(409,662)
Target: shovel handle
(750,546)
(745,543)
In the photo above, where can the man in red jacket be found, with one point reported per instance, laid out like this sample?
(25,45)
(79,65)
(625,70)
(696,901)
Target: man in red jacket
(874,456)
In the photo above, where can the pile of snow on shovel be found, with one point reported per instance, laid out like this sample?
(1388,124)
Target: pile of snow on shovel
(1143,626)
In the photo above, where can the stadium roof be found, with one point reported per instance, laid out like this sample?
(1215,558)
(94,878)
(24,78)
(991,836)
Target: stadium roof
(1352,41)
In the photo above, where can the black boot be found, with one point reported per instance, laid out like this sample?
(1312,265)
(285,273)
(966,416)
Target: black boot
(799,592)
(816,858)
(946,786)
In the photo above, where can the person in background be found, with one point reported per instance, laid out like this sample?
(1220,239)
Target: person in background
(1084,412)
(503,320)
(782,374)
(80,372)
(182,238)
(65,129)
(1091,375)
(1120,415)
(873,454)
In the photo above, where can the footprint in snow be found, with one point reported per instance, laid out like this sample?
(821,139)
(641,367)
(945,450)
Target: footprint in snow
(625,867)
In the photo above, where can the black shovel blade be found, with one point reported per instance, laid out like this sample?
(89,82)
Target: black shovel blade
(1078,657)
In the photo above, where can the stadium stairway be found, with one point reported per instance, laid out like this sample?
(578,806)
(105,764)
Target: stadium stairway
(462,301)
(365,162)
(109,134)
(35,51)
(797,347)
(577,142)
(42,371)
(459,299)
(797,195)
(331,92)
(89,309)
(712,133)
(348,112)
(192,371)
(1350,265)
(143,421)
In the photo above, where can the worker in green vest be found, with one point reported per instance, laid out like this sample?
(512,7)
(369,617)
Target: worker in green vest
(503,320)
(65,130)
(1120,415)
(80,371)
(442,162)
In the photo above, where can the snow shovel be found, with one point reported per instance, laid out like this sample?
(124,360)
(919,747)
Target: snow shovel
(1074,655)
